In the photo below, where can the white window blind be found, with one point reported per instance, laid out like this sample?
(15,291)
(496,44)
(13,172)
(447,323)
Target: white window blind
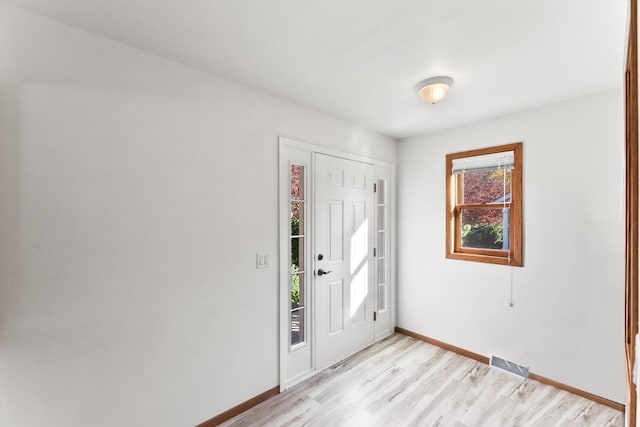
(485,162)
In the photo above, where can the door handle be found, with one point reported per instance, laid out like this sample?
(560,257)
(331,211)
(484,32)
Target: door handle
(321,272)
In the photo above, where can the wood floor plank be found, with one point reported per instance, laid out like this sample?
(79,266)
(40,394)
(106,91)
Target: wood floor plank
(404,382)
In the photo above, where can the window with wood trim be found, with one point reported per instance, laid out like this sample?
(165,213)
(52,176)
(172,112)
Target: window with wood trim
(484,205)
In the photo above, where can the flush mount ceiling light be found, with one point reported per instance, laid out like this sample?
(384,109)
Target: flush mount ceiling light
(434,89)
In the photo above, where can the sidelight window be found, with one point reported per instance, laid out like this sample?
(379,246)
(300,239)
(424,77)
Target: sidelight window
(381,245)
(297,287)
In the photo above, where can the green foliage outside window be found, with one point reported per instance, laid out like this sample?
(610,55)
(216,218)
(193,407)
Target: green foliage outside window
(295,262)
(488,236)
(295,290)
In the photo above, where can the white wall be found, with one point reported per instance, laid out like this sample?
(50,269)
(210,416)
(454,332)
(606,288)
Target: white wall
(134,194)
(567,319)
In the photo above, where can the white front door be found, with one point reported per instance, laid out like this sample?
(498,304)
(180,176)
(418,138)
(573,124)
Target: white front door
(343,258)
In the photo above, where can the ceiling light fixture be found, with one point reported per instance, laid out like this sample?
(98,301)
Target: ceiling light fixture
(434,89)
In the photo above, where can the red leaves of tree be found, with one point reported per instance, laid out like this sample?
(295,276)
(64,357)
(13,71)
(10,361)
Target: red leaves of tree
(483,188)
(297,180)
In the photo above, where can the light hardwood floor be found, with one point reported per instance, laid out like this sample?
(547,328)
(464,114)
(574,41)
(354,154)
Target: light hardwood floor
(401,381)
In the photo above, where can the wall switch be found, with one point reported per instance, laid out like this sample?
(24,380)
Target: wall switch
(263,260)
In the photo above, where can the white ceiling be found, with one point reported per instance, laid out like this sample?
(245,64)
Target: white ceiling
(360,59)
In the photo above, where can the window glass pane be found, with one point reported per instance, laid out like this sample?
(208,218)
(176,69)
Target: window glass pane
(297,218)
(486,187)
(381,191)
(380,249)
(297,254)
(484,228)
(381,217)
(297,326)
(484,205)
(297,182)
(381,277)
(382,297)
(297,290)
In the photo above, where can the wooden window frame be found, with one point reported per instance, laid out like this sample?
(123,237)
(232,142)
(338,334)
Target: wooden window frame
(454,186)
(631,211)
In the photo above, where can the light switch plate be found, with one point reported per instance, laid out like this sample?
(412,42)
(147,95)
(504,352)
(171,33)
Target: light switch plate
(263,260)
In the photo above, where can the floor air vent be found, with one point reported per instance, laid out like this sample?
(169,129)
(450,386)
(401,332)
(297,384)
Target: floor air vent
(510,367)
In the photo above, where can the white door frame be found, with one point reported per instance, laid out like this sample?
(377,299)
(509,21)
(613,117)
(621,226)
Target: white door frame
(290,151)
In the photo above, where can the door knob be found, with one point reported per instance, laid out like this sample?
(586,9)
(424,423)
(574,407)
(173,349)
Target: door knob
(321,272)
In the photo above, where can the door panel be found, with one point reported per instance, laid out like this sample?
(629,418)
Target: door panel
(344,249)
(336,306)
(336,230)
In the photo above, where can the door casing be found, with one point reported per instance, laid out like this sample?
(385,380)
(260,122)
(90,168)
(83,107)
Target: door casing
(292,151)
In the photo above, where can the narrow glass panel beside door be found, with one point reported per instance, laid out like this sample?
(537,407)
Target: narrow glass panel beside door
(297,326)
(297,287)
(382,297)
(381,217)
(297,182)
(297,291)
(381,247)
(297,254)
(297,218)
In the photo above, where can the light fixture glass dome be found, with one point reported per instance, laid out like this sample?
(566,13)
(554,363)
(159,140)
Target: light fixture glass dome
(434,89)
